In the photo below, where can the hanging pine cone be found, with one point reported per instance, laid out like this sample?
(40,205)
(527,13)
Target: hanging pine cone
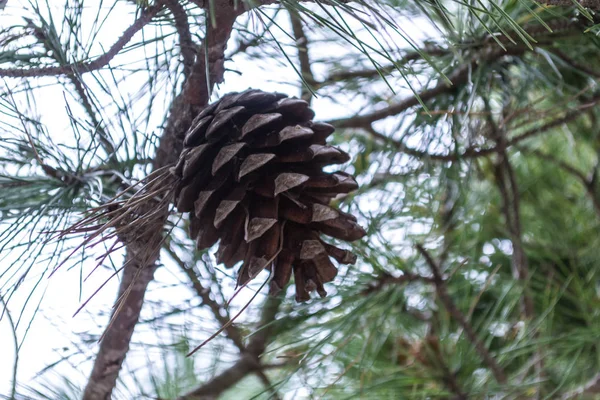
(251,176)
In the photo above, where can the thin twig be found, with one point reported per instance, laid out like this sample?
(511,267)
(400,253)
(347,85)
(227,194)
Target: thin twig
(87,66)
(308,79)
(458,316)
(587,182)
(509,191)
(248,362)
(5,311)
(204,293)
(386,279)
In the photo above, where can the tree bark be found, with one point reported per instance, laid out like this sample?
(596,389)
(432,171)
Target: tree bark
(142,253)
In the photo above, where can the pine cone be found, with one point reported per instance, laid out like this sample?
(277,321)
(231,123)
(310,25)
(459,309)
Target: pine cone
(251,176)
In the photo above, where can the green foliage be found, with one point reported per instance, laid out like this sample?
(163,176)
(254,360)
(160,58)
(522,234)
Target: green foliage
(495,175)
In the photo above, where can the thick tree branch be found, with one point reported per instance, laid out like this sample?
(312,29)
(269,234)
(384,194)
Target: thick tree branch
(143,252)
(113,348)
(188,48)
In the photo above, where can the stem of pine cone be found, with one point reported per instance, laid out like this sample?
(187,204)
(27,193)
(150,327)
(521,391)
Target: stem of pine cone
(143,252)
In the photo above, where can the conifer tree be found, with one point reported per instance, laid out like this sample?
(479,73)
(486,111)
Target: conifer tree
(301,198)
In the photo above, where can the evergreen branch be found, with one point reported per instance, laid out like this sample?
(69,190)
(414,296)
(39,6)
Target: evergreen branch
(569,61)
(105,139)
(101,61)
(488,53)
(554,28)
(231,330)
(225,380)
(386,279)
(442,292)
(478,151)
(506,182)
(449,377)
(568,117)
(49,39)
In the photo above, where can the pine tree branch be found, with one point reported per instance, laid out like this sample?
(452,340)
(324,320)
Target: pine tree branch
(101,61)
(486,53)
(143,252)
(538,32)
(49,40)
(478,151)
(458,77)
(186,44)
(308,79)
(569,61)
(232,331)
(105,140)
(511,204)
(449,379)
(459,317)
(371,73)
(115,343)
(386,279)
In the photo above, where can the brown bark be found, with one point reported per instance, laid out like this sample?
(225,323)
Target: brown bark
(143,252)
